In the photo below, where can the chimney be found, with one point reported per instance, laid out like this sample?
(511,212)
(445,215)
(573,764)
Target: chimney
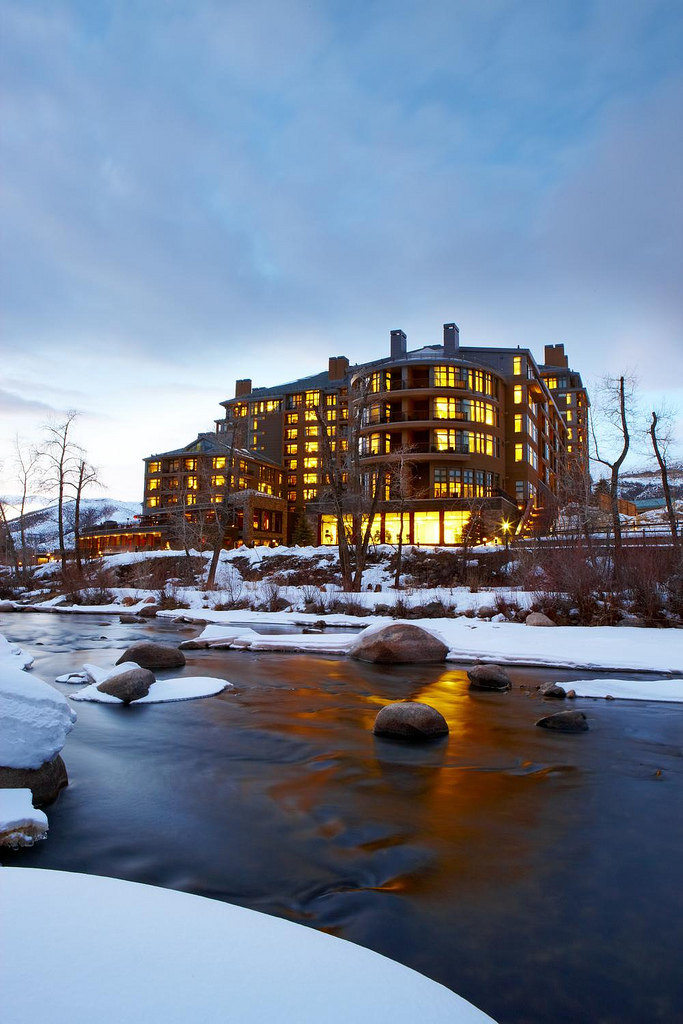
(338,367)
(554,356)
(451,339)
(242,387)
(398,344)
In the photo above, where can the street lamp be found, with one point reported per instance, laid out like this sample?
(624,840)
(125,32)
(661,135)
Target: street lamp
(506,526)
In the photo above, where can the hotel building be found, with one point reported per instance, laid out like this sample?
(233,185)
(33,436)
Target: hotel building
(478,433)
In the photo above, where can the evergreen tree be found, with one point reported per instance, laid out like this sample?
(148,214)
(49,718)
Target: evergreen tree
(302,535)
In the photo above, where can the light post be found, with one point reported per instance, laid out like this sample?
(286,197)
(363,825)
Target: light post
(506,526)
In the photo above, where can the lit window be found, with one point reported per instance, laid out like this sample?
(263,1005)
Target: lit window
(552,383)
(191,464)
(191,499)
(154,467)
(152,485)
(518,394)
(519,423)
(312,399)
(310,478)
(152,502)
(218,481)
(291,433)
(517,365)
(219,463)
(291,449)
(446,409)
(310,463)
(192,483)
(310,494)
(519,453)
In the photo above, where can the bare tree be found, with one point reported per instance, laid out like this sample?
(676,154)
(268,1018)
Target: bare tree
(224,505)
(86,476)
(353,490)
(661,435)
(8,546)
(27,465)
(401,492)
(62,458)
(616,398)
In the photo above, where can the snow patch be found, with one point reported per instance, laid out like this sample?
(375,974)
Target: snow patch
(141,966)
(36,719)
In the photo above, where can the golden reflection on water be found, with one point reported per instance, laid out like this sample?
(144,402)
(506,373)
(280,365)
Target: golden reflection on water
(462,801)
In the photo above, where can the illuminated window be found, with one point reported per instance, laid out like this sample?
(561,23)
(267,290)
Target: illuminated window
(310,478)
(191,499)
(291,481)
(217,499)
(173,484)
(453,525)
(310,494)
(426,528)
(310,416)
(192,483)
(445,440)
(312,446)
(152,485)
(292,463)
(273,405)
(480,381)
(291,433)
(518,394)
(446,377)
(447,481)
(312,399)
(312,430)
(291,496)
(519,453)
(519,423)
(570,416)
(219,463)
(291,449)
(154,467)
(446,409)
(330,399)
(240,410)
(310,463)
(331,415)
(218,481)
(482,412)
(551,382)
(517,365)
(152,502)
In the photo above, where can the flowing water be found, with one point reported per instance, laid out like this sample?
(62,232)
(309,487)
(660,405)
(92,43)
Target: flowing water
(536,874)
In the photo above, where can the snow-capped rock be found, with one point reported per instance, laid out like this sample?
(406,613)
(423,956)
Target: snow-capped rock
(36,719)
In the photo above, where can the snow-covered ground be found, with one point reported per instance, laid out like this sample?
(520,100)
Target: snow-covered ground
(166,957)
(581,648)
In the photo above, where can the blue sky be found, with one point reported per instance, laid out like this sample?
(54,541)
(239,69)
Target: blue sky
(195,192)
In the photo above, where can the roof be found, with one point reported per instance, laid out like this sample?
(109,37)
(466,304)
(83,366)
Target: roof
(317,382)
(213,444)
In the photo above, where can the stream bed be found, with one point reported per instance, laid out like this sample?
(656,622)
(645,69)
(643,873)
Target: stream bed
(536,874)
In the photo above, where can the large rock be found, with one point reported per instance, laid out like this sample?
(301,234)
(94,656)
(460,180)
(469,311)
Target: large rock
(151,655)
(552,690)
(128,619)
(6,606)
(44,782)
(400,643)
(488,677)
(128,686)
(148,611)
(410,720)
(538,619)
(565,721)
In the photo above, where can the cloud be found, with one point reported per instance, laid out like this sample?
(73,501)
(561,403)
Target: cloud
(12,404)
(222,188)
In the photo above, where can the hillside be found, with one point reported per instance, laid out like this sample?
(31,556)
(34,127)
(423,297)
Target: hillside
(41,525)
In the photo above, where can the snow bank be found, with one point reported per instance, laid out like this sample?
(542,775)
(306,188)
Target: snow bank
(240,964)
(36,719)
(630,689)
(161,692)
(20,823)
(17,657)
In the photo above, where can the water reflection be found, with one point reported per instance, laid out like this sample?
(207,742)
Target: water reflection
(496,856)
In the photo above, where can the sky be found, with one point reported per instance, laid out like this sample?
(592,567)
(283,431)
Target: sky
(195,192)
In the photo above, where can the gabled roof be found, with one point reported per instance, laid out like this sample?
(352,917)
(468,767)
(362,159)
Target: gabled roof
(213,444)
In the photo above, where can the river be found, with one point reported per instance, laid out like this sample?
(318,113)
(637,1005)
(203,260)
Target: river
(536,874)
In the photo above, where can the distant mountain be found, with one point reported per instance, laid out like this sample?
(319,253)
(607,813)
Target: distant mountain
(41,525)
(639,486)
